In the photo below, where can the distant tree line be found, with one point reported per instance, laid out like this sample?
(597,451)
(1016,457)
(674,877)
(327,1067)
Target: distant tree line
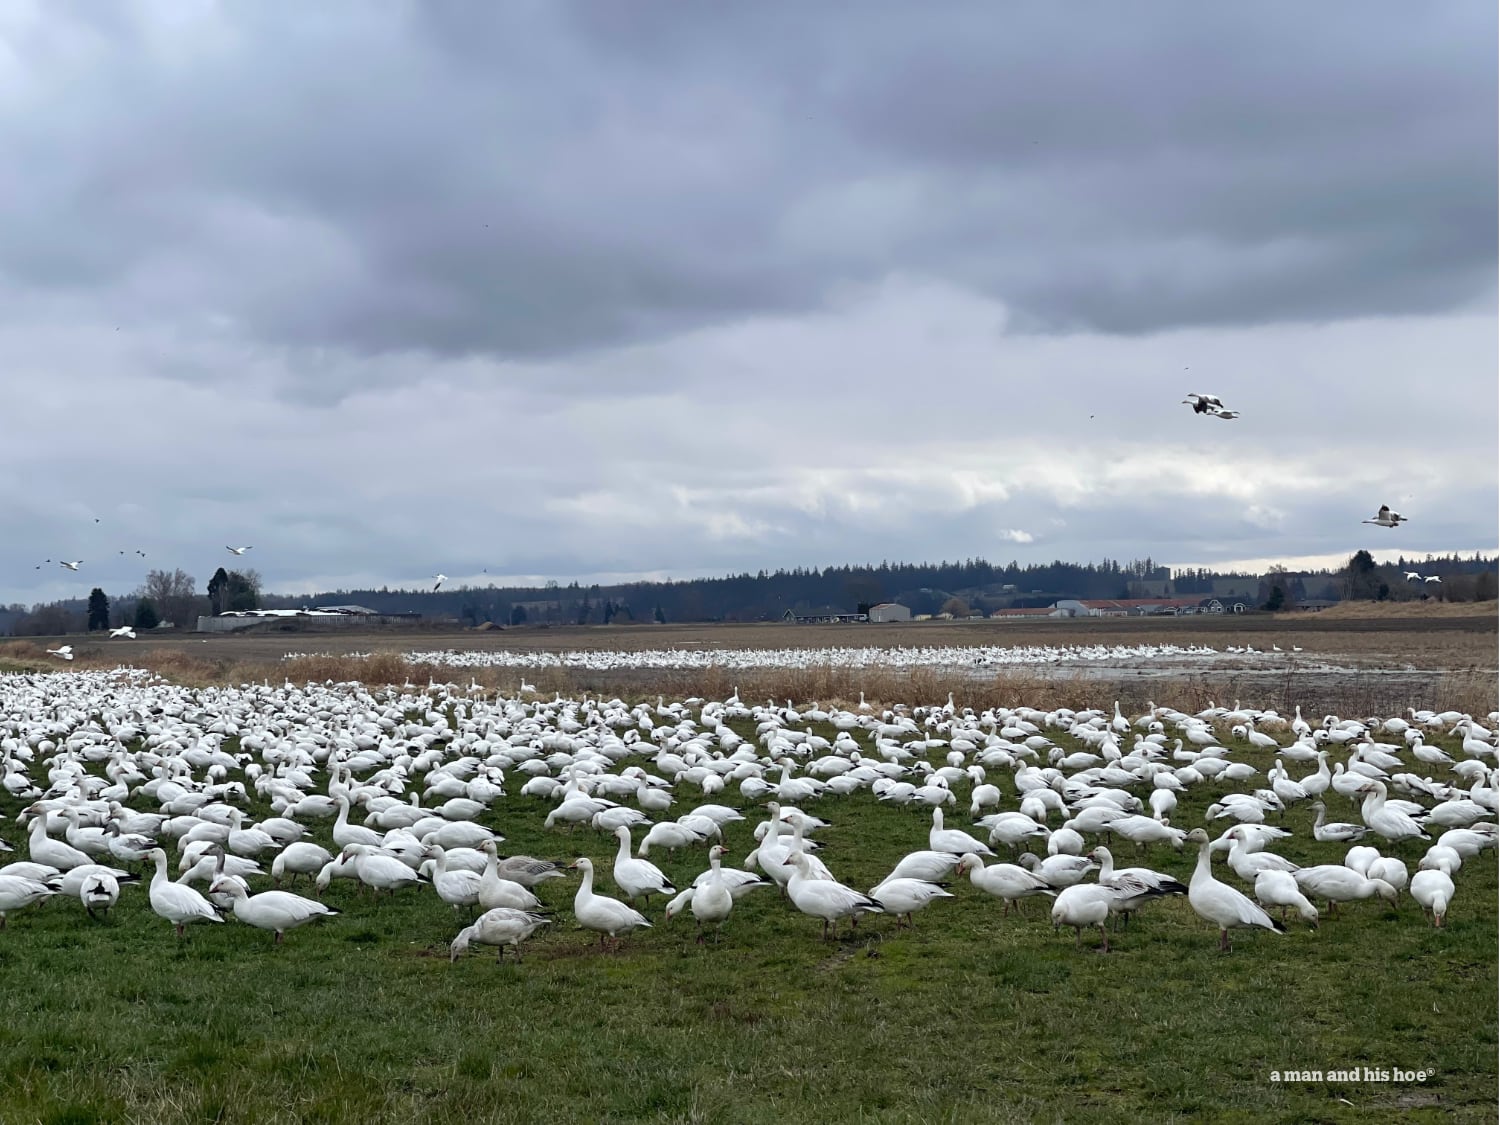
(960,588)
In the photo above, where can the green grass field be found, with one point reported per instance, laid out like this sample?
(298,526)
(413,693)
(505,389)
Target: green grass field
(968,1017)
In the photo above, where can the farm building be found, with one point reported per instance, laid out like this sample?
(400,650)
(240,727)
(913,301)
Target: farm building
(889,611)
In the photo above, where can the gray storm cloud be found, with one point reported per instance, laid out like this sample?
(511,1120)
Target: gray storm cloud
(667,288)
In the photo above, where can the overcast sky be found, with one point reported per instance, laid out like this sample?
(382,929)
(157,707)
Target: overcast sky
(558,290)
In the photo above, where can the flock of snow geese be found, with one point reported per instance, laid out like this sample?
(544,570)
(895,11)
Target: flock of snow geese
(109,771)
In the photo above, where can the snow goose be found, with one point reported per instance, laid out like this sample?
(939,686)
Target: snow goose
(1337,832)
(1391,823)
(637,878)
(177,903)
(1112,876)
(18,892)
(99,892)
(905,896)
(668,834)
(927,865)
(1218,902)
(1336,883)
(1441,858)
(496,890)
(1467,842)
(712,899)
(499,926)
(528,870)
(1247,864)
(827,899)
(1433,890)
(376,870)
(1389,869)
(54,853)
(1059,871)
(1279,888)
(1004,881)
(954,840)
(604,915)
(1084,904)
(345,833)
(278,911)
(1011,829)
(457,887)
(301,858)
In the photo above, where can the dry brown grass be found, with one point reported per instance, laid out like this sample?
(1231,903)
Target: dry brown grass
(1412,609)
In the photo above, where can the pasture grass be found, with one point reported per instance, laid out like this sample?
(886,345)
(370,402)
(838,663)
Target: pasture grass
(966,1017)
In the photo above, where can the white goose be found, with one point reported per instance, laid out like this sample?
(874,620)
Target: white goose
(1084,904)
(301,858)
(17,892)
(1218,902)
(374,869)
(1337,832)
(278,911)
(175,902)
(499,926)
(906,896)
(1337,883)
(825,898)
(604,915)
(954,840)
(1004,881)
(54,853)
(1279,888)
(638,878)
(1391,823)
(1059,871)
(495,890)
(457,887)
(100,892)
(1434,891)
(712,899)
(927,865)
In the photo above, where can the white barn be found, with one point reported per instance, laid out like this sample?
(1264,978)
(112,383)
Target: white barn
(889,611)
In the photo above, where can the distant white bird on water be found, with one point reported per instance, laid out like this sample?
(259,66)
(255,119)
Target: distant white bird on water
(1386,518)
(237,550)
(441,578)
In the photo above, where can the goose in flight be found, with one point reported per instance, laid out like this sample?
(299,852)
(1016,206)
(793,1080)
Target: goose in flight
(1411,576)
(237,550)
(441,578)
(1386,518)
(1210,404)
(71,565)
(1432,578)
(64,651)
(123,631)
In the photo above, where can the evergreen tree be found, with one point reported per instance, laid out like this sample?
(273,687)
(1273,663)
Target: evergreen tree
(145,615)
(98,610)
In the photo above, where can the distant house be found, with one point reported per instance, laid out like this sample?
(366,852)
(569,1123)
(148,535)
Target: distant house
(1225,605)
(889,611)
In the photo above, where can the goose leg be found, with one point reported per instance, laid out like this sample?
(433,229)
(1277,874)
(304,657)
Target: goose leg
(1104,936)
